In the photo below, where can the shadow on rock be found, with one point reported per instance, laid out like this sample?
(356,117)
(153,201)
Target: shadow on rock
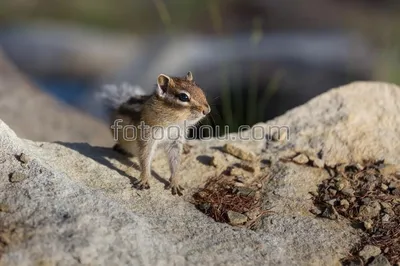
(102,154)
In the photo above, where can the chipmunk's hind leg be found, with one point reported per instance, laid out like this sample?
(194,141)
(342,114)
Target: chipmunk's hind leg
(174,155)
(145,158)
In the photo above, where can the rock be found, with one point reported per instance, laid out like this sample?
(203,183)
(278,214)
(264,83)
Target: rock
(236,218)
(345,203)
(330,213)
(237,172)
(369,251)
(318,163)
(380,260)
(244,191)
(23,158)
(301,159)
(371,210)
(385,218)
(368,224)
(396,192)
(384,187)
(87,203)
(332,191)
(341,184)
(252,167)
(17,177)
(392,185)
(349,192)
(239,152)
(217,160)
(387,208)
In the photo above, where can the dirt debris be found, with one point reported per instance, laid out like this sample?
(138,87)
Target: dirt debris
(226,200)
(366,196)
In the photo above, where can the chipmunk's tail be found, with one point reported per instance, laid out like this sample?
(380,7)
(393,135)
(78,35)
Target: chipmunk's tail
(113,96)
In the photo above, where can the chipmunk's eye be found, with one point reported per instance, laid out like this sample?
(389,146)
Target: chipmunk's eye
(183,97)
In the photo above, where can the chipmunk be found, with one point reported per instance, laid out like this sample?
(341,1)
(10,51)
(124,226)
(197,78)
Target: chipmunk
(160,119)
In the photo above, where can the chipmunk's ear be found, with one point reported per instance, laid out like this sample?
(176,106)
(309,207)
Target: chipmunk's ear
(163,82)
(189,76)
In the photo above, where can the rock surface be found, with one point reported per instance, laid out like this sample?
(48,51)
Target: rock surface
(77,205)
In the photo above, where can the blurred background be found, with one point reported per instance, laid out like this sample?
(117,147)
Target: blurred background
(255,59)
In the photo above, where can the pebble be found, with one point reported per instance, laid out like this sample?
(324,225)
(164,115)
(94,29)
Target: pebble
(370,178)
(17,177)
(330,213)
(217,160)
(244,191)
(349,192)
(23,158)
(250,167)
(315,211)
(368,224)
(366,201)
(369,251)
(236,218)
(341,184)
(396,191)
(332,191)
(371,210)
(237,172)
(392,185)
(384,187)
(318,163)
(239,152)
(385,218)
(301,159)
(345,203)
(380,260)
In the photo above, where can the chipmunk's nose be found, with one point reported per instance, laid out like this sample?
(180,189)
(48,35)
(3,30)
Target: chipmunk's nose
(206,110)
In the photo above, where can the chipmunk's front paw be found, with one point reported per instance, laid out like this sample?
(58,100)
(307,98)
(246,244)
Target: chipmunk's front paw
(176,189)
(142,185)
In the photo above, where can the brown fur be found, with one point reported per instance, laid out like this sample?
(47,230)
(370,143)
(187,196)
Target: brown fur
(163,108)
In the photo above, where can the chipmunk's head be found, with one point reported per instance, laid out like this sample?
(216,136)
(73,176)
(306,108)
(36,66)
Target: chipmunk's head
(182,98)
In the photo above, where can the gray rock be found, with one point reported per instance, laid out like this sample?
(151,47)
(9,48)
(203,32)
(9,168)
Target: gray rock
(380,260)
(349,192)
(24,158)
(330,213)
(236,218)
(17,177)
(86,211)
(385,218)
(301,159)
(369,251)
